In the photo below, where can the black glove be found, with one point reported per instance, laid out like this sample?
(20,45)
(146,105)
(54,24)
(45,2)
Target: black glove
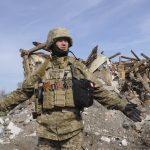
(132,112)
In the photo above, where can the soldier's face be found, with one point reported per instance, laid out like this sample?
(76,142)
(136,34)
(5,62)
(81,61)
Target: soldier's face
(63,44)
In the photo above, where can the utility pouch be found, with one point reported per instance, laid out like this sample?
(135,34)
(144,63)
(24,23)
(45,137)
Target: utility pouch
(82,91)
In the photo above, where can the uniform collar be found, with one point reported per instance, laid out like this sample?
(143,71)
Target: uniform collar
(60,62)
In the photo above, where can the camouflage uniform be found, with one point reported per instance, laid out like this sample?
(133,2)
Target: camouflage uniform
(73,143)
(59,121)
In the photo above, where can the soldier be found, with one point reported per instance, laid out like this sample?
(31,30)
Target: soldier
(63,87)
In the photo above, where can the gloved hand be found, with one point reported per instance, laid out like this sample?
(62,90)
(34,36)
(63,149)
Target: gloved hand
(132,112)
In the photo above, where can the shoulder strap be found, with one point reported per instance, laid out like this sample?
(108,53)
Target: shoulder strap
(73,71)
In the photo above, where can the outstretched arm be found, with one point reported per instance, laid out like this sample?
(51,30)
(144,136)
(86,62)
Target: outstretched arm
(105,97)
(13,99)
(109,99)
(112,101)
(20,95)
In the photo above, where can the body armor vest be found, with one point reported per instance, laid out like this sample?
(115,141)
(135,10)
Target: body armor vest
(57,85)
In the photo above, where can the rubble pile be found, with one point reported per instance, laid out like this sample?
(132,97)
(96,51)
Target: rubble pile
(17,129)
(104,129)
(130,77)
(134,77)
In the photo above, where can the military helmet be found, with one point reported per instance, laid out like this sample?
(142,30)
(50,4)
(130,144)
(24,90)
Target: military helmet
(58,33)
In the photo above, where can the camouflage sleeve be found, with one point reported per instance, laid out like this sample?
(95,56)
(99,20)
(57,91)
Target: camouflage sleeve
(107,98)
(27,90)
(29,83)
(13,99)
(18,96)
(101,94)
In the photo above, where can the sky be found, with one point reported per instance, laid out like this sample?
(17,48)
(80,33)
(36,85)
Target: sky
(113,25)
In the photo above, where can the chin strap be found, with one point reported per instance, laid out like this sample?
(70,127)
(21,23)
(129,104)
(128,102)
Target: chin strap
(73,54)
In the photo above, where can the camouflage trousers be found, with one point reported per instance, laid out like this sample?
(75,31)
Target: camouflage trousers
(73,143)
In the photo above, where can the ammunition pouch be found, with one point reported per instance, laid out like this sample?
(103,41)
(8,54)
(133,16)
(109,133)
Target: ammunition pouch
(55,86)
(57,94)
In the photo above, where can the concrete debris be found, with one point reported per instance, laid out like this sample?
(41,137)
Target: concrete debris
(14,130)
(147,118)
(17,130)
(106,139)
(130,77)
(124,142)
(145,134)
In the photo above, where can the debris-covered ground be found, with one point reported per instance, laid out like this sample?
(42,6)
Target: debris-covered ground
(104,129)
